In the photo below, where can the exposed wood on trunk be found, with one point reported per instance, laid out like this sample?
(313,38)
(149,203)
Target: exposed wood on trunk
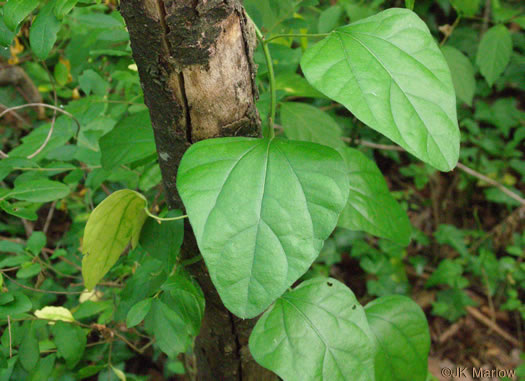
(196,68)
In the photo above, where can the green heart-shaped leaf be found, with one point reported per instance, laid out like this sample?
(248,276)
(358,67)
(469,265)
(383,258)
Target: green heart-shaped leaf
(388,71)
(370,205)
(318,331)
(261,210)
(402,337)
(307,123)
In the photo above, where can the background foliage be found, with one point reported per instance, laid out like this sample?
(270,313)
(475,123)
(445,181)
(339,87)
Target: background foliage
(464,266)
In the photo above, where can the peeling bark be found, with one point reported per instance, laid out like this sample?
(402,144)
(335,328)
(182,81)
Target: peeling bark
(195,60)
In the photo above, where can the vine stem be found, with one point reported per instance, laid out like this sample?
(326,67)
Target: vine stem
(297,35)
(161,219)
(271,75)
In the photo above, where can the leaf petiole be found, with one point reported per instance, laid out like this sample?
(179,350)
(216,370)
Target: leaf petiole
(161,219)
(271,75)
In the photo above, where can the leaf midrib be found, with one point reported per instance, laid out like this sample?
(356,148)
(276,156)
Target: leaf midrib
(429,133)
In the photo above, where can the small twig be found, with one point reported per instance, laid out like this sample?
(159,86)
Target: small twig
(492,182)
(460,166)
(15,114)
(490,324)
(489,296)
(47,139)
(449,332)
(486,17)
(49,217)
(519,213)
(88,345)
(70,262)
(10,338)
(55,108)
(28,227)
(14,108)
(130,344)
(38,290)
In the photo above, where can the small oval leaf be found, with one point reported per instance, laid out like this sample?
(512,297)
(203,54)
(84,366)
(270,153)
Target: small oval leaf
(39,191)
(29,352)
(55,314)
(494,53)
(113,224)
(43,32)
(138,312)
(17,10)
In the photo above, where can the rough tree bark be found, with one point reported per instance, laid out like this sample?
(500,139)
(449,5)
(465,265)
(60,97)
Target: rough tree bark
(195,63)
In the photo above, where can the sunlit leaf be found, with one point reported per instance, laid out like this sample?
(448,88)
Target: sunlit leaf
(307,123)
(389,72)
(371,207)
(402,337)
(111,227)
(55,314)
(317,331)
(261,210)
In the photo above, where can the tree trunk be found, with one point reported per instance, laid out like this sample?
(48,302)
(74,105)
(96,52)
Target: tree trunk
(195,63)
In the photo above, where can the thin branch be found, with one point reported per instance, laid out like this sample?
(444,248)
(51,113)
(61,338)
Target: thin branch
(38,290)
(460,166)
(486,17)
(15,114)
(490,324)
(49,217)
(55,108)
(48,138)
(10,338)
(492,182)
(365,143)
(14,108)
